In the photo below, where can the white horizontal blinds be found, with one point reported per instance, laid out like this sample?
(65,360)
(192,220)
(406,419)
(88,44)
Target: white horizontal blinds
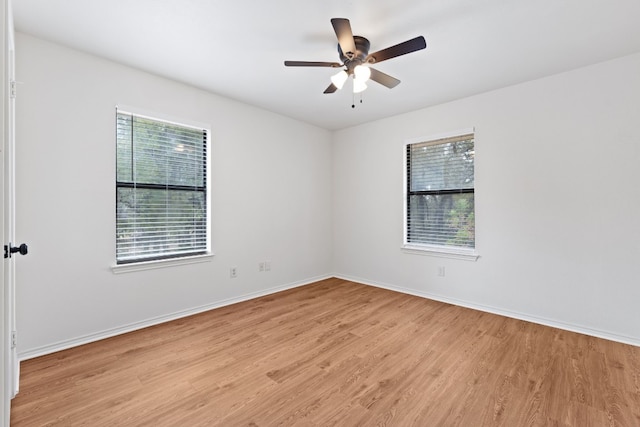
(161,189)
(440,202)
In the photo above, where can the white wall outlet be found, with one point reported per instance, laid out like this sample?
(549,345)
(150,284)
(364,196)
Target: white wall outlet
(267,266)
(261,266)
(233,272)
(441,271)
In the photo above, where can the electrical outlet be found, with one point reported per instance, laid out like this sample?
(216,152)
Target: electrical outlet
(441,271)
(261,266)
(233,272)
(267,266)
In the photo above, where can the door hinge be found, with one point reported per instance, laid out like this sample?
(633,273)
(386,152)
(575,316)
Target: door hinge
(14,339)
(12,89)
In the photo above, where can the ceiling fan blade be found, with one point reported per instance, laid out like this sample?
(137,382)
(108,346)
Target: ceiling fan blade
(332,88)
(342,27)
(311,64)
(383,79)
(400,49)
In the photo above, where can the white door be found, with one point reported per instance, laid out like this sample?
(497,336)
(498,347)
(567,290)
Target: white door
(10,358)
(9,219)
(5,334)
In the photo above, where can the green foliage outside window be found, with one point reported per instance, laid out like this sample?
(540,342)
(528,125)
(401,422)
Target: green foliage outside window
(161,189)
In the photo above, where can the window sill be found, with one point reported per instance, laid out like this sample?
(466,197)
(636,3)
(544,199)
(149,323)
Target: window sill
(152,265)
(443,252)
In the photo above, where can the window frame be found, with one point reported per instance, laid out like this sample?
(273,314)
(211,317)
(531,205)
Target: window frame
(469,254)
(167,261)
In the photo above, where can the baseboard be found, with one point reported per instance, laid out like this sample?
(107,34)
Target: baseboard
(502,312)
(86,339)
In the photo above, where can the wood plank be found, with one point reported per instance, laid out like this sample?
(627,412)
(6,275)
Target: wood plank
(336,353)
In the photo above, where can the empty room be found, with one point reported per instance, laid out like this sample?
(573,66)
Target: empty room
(321,213)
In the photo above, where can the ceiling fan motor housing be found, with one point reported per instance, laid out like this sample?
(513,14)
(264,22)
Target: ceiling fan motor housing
(359,56)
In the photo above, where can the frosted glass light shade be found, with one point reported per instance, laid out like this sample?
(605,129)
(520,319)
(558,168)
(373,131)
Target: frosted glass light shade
(339,79)
(362,72)
(358,85)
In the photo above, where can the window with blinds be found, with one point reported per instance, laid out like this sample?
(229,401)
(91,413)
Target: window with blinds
(161,189)
(440,193)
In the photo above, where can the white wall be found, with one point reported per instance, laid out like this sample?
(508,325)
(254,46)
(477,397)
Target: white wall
(271,200)
(557,202)
(556,199)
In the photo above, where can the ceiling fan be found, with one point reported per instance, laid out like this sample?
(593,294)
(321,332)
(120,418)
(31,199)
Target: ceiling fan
(355,56)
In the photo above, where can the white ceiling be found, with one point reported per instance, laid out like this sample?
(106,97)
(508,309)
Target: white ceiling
(237,48)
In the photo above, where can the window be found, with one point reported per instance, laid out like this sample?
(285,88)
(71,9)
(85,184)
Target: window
(440,212)
(161,189)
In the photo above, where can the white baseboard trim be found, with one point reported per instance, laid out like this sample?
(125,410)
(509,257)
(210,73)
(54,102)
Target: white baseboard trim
(502,312)
(108,333)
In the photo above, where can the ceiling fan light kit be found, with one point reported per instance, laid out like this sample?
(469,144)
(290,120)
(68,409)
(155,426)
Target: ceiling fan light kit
(354,54)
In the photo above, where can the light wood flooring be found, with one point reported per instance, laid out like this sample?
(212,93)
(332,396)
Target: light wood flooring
(336,353)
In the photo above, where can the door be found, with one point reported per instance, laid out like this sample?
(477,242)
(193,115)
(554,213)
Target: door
(5,392)
(9,221)
(7,272)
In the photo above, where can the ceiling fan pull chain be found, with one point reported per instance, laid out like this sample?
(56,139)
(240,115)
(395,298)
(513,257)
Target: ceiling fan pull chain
(353,100)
